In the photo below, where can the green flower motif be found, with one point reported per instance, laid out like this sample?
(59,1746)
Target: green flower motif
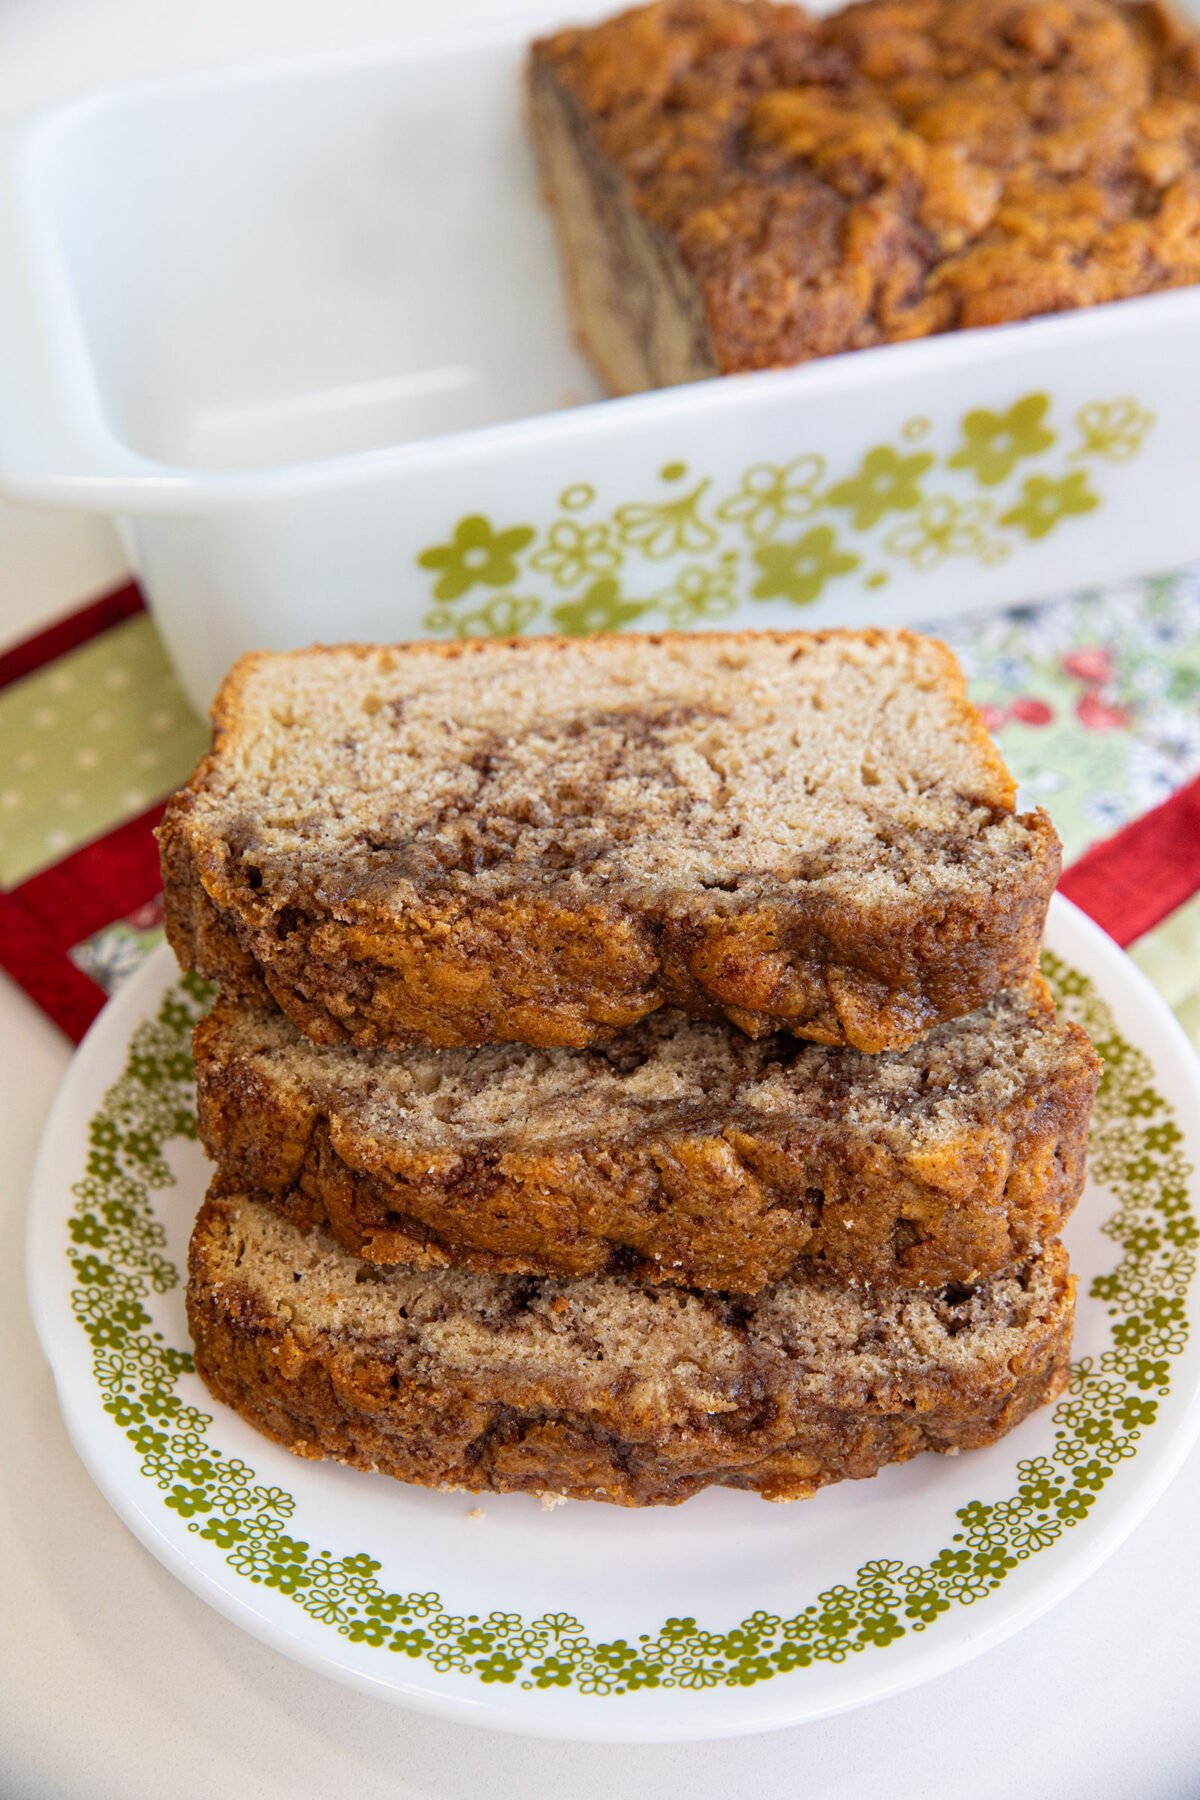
(146,1441)
(367,1631)
(196,1469)
(497,1667)
(505,616)
(130,1314)
(992,1562)
(477,555)
(1045,503)
(85,1228)
(601,609)
(124,1411)
(188,1500)
(697,1675)
(1035,1535)
(288,1550)
(287,1578)
(1115,429)
(1038,1494)
(946,527)
(835,1622)
(92,1272)
(924,1605)
(641,1674)
(993,443)
(790,1655)
(666,527)
(1134,1411)
(1142,1240)
(975,1514)
(773,495)
(744,1673)
(318,1601)
(799,572)
(574,552)
(361,1566)
(886,482)
(1074,1505)
(388,1607)
(882,1629)
(224,1533)
(700,593)
(1092,1475)
(411,1643)
(949,1563)
(552,1673)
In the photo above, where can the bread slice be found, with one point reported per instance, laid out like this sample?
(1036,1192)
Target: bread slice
(545,840)
(603,1388)
(680,1152)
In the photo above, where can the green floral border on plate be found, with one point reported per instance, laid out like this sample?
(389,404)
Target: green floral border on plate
(787,531)
(117,1254)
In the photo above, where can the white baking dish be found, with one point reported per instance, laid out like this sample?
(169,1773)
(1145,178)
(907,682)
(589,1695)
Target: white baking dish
(299,328)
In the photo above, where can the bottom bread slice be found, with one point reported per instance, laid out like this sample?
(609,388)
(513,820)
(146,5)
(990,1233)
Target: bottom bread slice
(602,1389)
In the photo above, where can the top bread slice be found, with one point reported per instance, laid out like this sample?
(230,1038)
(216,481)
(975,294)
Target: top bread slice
(544,840)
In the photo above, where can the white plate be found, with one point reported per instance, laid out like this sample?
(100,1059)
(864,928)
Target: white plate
(722,1616)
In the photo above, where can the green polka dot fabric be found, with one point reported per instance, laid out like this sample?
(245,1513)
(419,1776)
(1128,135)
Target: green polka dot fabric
(88,742)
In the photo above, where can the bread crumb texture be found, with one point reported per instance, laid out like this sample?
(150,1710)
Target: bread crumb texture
(679,1152)
(603,1388)
(546,840)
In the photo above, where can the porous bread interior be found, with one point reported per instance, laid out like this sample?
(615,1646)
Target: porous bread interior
(637,763)
(667,1072)
(692,1349)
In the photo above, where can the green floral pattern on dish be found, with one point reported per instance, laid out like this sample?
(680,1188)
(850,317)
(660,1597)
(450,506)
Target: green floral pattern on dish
(771,497)
(799,572)
(887,482)
(601,609)
(1114,429)
(476,554)
(994,442)
(116,1249)
(907,511)
(946,527)
(1045,503)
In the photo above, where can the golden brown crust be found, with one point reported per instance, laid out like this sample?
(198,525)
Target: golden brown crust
(730,1202)
(551,965)
(365,1402)
(900,168)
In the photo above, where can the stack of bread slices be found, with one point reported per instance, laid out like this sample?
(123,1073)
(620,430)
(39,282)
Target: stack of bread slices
(631,1070)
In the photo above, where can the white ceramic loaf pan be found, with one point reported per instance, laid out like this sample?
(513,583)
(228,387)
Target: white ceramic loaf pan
(299,329)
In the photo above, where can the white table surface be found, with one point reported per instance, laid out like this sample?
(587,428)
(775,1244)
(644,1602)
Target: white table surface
(115,1681)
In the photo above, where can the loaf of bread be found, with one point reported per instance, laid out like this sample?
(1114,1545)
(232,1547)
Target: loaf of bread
(603,1388)
(545,840)
(744,186)
(679,1152)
